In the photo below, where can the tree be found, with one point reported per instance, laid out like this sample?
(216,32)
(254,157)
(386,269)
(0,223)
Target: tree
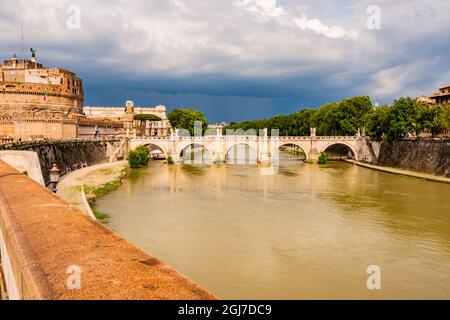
(186,118)
(138,157)
(377,123)
(301,122)
(352,113)
(326,120)
(446,115)
(403,119)
(432,119)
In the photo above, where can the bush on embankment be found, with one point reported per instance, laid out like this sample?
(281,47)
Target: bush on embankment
(138,157)
(323,158)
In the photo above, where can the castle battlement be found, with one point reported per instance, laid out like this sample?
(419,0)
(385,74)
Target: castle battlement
(28,87)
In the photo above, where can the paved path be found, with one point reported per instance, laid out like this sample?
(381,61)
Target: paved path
(402,172)
(69,187)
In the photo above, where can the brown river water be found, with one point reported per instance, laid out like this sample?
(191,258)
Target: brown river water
(308,232)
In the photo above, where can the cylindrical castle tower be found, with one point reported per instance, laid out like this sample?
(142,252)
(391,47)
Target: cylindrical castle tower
(30,90)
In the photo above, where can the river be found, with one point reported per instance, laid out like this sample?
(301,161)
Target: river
(308,232)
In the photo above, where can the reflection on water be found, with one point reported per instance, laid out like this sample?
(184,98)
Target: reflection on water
(308,232)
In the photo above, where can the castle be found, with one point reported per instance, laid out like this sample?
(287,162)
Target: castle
(30,90)
(37,102)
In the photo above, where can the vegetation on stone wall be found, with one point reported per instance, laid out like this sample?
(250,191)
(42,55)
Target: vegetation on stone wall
(138,157)
(404,118)
(186,118)
(93,193)
(146,117)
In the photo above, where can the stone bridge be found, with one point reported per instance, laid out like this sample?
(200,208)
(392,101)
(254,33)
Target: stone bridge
(263,147)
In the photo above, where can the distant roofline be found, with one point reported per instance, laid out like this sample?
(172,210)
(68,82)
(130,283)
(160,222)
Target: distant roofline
(445,87)
(437,95)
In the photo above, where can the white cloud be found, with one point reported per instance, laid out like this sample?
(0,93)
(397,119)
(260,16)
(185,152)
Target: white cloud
(263,7)
(317,26)
(270,8)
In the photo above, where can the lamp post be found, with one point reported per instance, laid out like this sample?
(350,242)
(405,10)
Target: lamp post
(54,176)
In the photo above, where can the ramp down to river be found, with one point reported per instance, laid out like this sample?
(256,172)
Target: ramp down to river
(48,247)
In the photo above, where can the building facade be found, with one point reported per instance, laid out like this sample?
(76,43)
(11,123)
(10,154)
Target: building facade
(132,123)
(123,113)
(442,97)
(426,100)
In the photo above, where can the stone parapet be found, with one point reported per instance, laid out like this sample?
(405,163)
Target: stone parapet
(45,238)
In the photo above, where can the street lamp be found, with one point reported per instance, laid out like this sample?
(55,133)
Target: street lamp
(54,176)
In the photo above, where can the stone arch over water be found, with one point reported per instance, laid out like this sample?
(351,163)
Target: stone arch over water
(291,143)
(150,145)
(241,153)
(206,156)
(344,144)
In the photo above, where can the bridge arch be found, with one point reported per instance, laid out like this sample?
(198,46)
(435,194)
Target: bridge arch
(252,152)
(344,143)
(182,147)
(287,143)
(157,145)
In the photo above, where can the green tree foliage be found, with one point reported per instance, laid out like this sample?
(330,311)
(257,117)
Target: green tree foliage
(323,158)
(342,118)
(146,117)
(402,119)
(406,117)
(185,119)
(377,123)
(325,120)
(446,115)
(138,157)
(432,119)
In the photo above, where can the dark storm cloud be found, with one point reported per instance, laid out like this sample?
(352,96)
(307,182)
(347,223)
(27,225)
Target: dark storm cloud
(237,59)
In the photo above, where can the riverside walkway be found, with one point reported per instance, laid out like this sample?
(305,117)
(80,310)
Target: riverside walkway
(95,176)
(402,172)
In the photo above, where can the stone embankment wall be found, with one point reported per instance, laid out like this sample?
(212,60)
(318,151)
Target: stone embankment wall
(72,155)
(427,155)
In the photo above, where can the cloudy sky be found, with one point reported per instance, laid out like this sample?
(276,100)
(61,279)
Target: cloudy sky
(237,59)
